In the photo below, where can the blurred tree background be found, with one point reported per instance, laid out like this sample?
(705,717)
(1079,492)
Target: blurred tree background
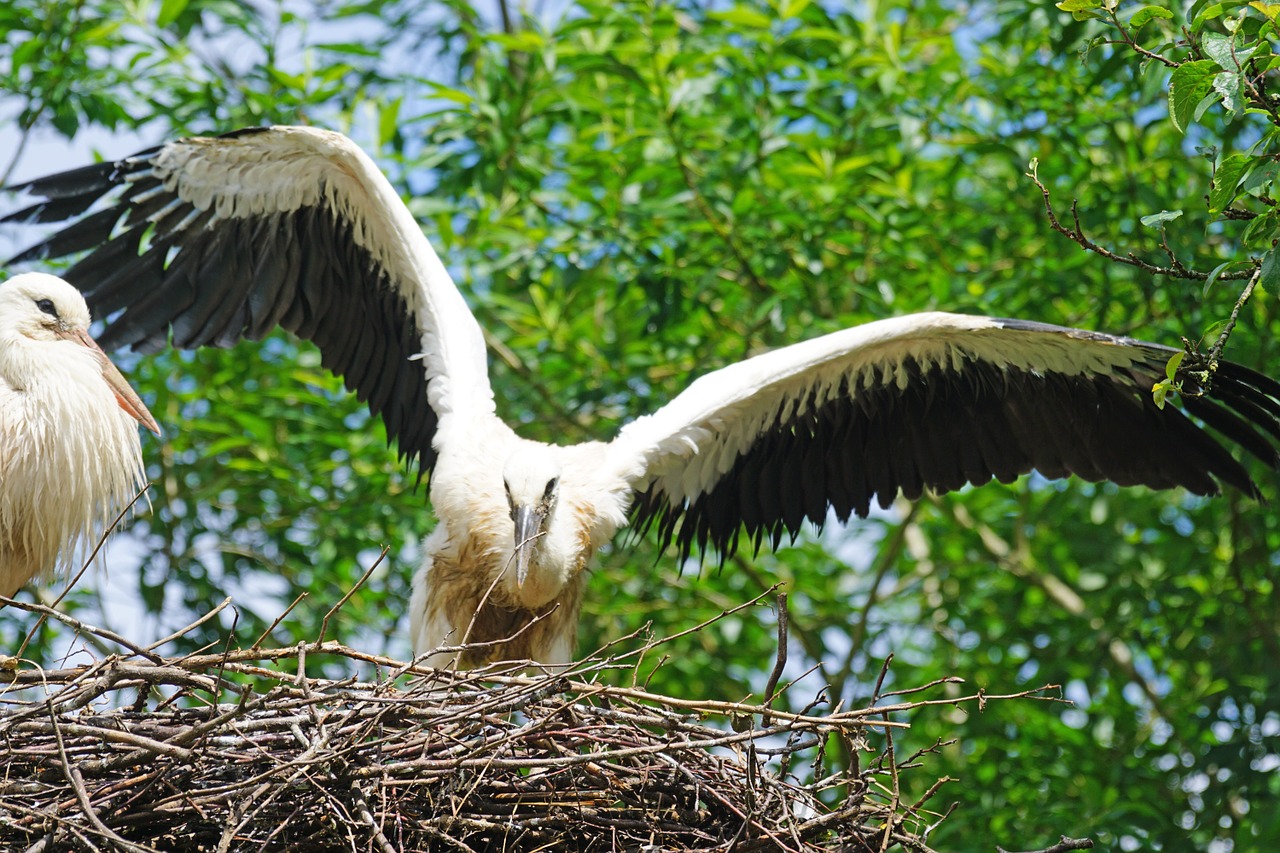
(632,192)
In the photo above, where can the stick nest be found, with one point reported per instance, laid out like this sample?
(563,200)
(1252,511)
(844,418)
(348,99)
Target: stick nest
(246,750)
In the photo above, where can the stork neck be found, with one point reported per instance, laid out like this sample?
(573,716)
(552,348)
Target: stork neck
(26,364)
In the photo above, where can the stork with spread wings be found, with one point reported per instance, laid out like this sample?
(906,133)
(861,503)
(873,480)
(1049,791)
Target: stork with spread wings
(296,227)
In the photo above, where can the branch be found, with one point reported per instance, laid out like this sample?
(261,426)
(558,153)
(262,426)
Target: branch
(379,765)
(1061,847)
(1076,234)
(1215,352)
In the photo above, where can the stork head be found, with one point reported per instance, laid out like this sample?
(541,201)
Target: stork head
(532,481)
(44,311)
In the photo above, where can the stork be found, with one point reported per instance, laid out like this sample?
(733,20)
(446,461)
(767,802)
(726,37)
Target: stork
(296,227)
(70,458)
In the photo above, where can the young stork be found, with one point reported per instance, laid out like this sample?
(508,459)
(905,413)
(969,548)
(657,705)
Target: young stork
(296,227)
(70,459)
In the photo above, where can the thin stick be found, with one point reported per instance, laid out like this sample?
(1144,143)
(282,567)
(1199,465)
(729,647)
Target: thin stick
(324,624)
(84,568)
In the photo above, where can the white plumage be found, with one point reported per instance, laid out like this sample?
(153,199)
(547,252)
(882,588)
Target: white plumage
(70,459)
(296,227)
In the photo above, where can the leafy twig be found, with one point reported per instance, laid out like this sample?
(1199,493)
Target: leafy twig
(1076,234)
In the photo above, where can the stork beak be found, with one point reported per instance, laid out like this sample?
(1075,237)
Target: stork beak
(527,523)
(125,395)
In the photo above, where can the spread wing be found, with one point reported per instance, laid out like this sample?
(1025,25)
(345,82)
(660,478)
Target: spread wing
(928,401)
(205,241)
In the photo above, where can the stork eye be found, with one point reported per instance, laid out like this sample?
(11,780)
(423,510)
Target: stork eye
(551,487)
(46,305)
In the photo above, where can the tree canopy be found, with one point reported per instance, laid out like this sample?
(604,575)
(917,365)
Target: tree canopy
(632,192)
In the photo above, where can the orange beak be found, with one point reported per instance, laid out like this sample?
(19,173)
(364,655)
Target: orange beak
(125,395)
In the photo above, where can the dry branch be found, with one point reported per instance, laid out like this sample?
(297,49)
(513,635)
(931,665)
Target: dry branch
(246,751)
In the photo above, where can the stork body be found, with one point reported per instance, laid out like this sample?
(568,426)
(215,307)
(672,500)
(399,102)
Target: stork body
(70,459)
(485,579)
(296,227)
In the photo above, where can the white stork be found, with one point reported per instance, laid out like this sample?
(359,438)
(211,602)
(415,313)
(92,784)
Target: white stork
(296,227)
(70,459)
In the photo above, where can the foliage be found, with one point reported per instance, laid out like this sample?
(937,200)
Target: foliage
(633,192)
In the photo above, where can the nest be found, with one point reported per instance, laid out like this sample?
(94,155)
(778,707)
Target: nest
(246,750)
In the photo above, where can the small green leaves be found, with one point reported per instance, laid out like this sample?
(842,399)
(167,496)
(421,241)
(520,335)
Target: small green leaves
(1262,230)
(1230,58)
(1161,390)
(1188,86)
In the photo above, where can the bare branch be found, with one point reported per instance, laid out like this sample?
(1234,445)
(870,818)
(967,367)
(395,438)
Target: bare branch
(453,759)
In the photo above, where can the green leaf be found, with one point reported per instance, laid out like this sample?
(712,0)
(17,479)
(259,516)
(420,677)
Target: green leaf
(1147,14)
(1161,217)
(1222,50)
(1208,13)
(1269,272)
(1230,87)
(389,121)
(169,12)
(1261,231)
(1159,392)
(792,8)
(1188,85)
(1259,177)
(1171,367)
(743,17)
(1271,10)
(1226,181)
(352,48)
(26,50)
(1213,276)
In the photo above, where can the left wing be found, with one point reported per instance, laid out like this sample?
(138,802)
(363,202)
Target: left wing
(208,240)
(927,401)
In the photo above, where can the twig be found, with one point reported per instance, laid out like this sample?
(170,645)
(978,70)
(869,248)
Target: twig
(1215,351)
(276,622)
(324,624)
(1061,847)
(83,568)
(1076,234)
(82,627)
(181,632)
(780,662)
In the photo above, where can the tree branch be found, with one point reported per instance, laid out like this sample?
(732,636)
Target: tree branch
(1076,234)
